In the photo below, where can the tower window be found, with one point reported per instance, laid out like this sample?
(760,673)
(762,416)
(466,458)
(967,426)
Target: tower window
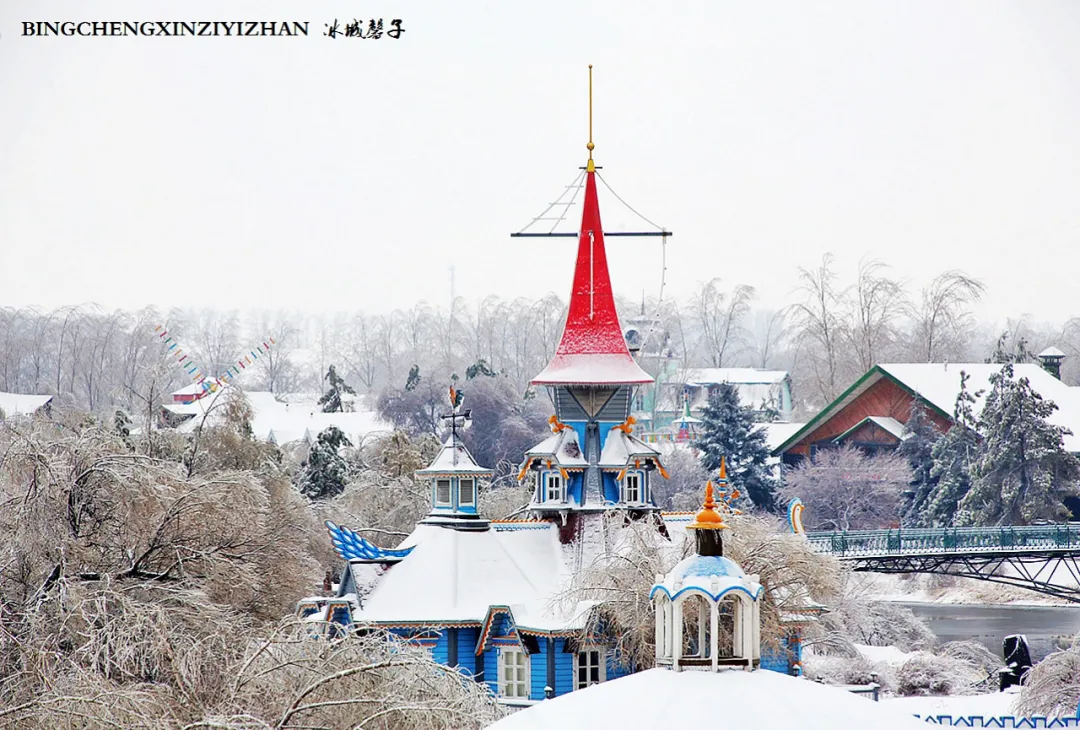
(467,491)
(590,667)
(556,489)
(442,492)
(514,673)
(632,491)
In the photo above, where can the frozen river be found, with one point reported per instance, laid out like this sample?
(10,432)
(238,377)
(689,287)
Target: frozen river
(1042,625)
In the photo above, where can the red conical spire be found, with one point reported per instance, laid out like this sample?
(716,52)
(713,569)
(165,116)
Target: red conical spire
(592,350)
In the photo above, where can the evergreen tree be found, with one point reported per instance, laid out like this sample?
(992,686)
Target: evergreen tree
(325,472)
(917,447)
(480,367)
(121,424)
(954,456)
(1002,354)
(413,379)
(1024,472)
(331,401)
(728,431)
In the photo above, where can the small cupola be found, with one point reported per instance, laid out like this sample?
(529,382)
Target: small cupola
(455,477)
(1051,359)
(708,611)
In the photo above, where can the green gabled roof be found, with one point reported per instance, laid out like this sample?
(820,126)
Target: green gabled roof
(872,376)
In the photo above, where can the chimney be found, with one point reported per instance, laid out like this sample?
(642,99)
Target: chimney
(1051,359)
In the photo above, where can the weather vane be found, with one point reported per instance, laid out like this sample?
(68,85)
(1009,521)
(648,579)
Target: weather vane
(454,417)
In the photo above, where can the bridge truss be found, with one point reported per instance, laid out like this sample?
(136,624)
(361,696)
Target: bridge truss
(1045,559)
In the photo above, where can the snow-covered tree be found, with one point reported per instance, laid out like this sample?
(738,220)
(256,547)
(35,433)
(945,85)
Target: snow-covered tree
(917,447)
(1024,472)
(326,471)
(332,401)
(503,426)
(728,431)
(788,567)
(844,489)
(1052,687)
(478,368)
(682,489)
(954,456)
(414,378)
(1016,353)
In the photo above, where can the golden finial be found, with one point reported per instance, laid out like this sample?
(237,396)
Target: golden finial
(708,518)
(591,167)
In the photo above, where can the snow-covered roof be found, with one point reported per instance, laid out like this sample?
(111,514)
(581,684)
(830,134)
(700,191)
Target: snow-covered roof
(455,575)
(21,404)
(592,350)
(620,448)
(751,392)
(280,422)
(778,433)
(939,383)
(1051,352)
(715,376)
(660,698)
(453,458)
(563,447)
(592,369)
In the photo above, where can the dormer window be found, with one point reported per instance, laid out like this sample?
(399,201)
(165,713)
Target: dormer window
(632,490)
(556,488)
(467,492)
(442,492)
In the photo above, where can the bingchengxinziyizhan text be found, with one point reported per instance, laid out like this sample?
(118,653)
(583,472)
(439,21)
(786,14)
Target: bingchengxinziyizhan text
(368,29)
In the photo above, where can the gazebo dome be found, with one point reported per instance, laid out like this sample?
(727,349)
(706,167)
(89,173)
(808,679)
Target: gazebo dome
(714,575)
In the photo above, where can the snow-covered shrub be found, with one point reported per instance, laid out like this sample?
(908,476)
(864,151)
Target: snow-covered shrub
(848,670)
(929,674)
(1052,687)
(874,623)
(977,656)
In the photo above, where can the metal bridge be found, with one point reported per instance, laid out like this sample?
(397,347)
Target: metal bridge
(1038,558)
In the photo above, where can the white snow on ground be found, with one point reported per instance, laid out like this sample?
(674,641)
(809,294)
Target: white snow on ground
(660,698)
(988,705)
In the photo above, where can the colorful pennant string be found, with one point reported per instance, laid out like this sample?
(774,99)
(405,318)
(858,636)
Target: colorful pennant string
(187,364)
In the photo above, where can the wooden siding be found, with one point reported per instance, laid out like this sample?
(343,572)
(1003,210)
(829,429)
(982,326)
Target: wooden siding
(564,669)
(883,398)
(538,672)
(871,433)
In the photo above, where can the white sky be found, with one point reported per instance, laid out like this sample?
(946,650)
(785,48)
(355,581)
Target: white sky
(346,174)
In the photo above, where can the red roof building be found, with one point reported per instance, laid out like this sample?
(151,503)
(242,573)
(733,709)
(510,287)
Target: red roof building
(592,350)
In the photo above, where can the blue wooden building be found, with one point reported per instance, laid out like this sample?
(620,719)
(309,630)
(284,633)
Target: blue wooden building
(491,597)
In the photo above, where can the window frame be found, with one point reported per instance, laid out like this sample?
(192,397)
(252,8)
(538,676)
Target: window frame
(548,477)
(601,665)
(625,490)
(472,483)
(524,683)
(449,501)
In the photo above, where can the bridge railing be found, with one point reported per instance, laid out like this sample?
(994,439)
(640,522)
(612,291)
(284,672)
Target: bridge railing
(946,540)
